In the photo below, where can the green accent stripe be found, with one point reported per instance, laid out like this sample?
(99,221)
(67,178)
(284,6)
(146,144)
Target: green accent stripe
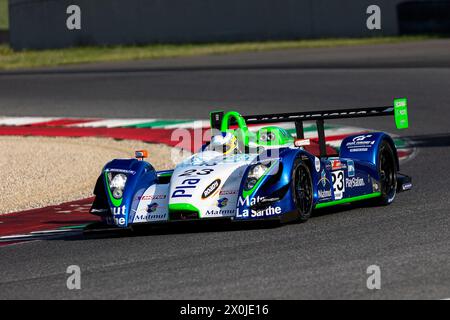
(81,226)
(159,123)
(348,200)
(246,193)
(169,174)
(182,207)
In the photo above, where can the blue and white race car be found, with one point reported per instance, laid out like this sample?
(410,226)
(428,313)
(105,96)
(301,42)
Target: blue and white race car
(241,175)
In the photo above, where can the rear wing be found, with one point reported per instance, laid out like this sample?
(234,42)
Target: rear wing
(399,110)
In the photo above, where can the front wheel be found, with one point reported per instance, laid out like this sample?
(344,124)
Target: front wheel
(302,190)
(387,170)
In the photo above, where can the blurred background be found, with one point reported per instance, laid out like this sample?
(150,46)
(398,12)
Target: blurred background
(38,24)
(71,68)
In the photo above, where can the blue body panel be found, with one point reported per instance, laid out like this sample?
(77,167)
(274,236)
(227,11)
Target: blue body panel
(274,185)
(364,149)
(354,173)
(140,175)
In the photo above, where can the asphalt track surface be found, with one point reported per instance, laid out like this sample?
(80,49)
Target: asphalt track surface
(325,258)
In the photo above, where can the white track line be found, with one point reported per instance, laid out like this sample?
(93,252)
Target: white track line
(23,121)
(112,123)
(16,236)
(189,125)
(44,232)
(117,123)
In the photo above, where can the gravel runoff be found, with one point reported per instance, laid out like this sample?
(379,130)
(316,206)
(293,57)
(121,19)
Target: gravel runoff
(42,171)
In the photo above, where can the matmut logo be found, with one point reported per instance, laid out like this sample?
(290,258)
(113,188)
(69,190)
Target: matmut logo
(118,211)
(247,201)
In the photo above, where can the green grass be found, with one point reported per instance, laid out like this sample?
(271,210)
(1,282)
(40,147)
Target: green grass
(10,59)
(3,14)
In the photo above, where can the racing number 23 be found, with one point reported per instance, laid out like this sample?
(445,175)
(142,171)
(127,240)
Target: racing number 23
(191,172)
(338,184)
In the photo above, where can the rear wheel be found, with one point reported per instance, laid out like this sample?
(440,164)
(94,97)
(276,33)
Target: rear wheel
(302,190)
(387,170)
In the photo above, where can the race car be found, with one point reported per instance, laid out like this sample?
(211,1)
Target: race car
(243,175)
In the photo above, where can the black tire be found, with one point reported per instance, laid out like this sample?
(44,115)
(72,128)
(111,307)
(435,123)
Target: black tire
(302,190)
(387,170)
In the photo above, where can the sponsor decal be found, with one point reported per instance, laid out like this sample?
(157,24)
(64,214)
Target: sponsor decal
(186,185)
(152,207)
(324,194)
(250,202)
(120,171)
(115,221)
(118,211)
(267,212)
(223,202)
(302,142)
(324,182)
(351,168)
(148,217)
(359,149)
(211,188)
(118,216)
(317,164)
(152,197)
(338,184)
(360,144)
(227,192)
(220,213)
(336,164)
(361,138)
(323,179)
(354,182)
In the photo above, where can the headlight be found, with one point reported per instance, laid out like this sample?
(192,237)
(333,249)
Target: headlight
(117,184)
(255,174)
(250,183)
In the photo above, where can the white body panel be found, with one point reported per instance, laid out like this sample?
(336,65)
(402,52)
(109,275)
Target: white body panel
(153,205)
(209,182)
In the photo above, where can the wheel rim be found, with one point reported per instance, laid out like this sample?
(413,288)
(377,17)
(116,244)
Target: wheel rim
(387,173)
(303,190)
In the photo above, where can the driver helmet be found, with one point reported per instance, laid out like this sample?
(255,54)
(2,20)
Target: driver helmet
(224,142)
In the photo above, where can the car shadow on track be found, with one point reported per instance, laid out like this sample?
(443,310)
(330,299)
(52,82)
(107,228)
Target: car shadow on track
(98,231)
(436,140)
(101,232)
